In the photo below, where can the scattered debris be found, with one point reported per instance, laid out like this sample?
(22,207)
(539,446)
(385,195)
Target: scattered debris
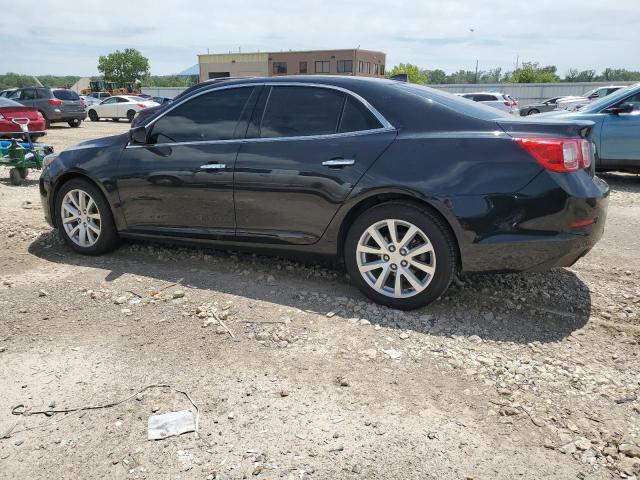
(170,424)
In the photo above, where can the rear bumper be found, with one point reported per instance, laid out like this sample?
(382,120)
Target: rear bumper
(537,228)
(66,116)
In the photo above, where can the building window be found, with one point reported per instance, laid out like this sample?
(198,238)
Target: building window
(360,65)
(376,67)
(279,68)
(303,67)
(322,67)
(367,67)
(345,66)
(382,69)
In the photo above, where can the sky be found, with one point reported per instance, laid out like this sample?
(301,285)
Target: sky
(67,37)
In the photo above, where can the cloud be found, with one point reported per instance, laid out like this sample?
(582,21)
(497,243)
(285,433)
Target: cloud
(67,38)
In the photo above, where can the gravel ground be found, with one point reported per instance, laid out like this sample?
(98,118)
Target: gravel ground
(297,376)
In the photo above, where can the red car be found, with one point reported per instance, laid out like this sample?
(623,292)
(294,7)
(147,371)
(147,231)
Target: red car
(10,110)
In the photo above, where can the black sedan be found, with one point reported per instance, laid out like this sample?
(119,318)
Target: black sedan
(544,106)
(407,185)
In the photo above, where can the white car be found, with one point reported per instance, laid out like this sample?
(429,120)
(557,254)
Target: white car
(88,101)
(576,103)
(119,106)
(498,100)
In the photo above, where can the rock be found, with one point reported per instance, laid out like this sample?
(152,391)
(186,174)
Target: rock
(393,354)
(568,449)
(126,311)
(356,468)
(120,300)
(404,336)
(8,283)
(509,411)
(342,381)
(629,450)
(178,294)
(220,330)
(582,443)
(284,393)
(231,416)
(42,293)
(330,314)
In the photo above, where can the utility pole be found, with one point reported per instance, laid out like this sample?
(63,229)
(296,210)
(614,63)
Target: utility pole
(476,78)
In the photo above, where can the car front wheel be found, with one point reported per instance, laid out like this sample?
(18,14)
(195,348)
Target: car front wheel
(93,116)
(400,255)
(84,218)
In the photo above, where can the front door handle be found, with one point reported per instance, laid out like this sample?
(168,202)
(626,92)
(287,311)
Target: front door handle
(213,166)
(338,162)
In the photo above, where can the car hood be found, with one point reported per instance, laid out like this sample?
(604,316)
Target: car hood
(99,143)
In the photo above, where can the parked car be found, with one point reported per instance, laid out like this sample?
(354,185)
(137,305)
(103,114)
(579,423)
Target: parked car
(616,133)
(89,100)
(501,101)
(119,106)
(161,100)
(99,95)
(576,103)
(55,104)
(10,110)
(544,106)
(407,184)
(7,92)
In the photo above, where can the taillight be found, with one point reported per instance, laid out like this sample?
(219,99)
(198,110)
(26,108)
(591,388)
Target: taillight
(142,105)
(82,104)
(558,154)
(54,102)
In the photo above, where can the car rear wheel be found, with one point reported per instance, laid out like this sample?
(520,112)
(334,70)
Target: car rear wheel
(130,115)
(84,218)
(400,255)
(75,123)
(93,116)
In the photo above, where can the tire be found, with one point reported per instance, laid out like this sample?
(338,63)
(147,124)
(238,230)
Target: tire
(93,116)
(533,111)
(438,262)
(130,115)
(89,243)
(115,119)
(24,172)
(15,177)
(75,123)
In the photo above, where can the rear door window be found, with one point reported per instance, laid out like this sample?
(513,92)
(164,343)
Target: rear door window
(484,98)
(301,111)
(207,117)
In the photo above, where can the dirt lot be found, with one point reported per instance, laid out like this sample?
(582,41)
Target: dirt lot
(297,376)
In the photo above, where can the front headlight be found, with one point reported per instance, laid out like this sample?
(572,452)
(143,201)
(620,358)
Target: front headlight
(49,159)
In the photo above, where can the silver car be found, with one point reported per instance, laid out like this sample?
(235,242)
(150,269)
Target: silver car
(498,100)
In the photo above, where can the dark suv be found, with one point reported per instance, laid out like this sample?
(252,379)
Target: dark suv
(55,104)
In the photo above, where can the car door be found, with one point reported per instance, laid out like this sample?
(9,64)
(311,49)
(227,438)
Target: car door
(181,182)
(122,106)
(620,136)
(108,108)
(307,148)
(27,97)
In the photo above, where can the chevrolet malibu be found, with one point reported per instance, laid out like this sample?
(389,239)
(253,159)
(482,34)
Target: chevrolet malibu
(409,186)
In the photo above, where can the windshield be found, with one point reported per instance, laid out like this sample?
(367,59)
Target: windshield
(65,95)
(610,99)
(5,102)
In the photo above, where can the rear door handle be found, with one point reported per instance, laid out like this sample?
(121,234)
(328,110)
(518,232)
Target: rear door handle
(338,162)
(213,166)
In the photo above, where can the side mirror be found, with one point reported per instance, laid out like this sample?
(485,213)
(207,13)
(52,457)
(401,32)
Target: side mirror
(621,108)
(138,135)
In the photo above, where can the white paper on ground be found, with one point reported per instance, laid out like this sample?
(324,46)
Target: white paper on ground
(170,424)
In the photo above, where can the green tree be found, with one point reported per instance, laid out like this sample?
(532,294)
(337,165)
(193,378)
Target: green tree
(415,74)
(531,72)
(436,77)
(126,66)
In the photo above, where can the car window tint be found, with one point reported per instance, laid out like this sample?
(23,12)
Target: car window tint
(123,100)
(66,95)
(301,111)
(28,94)
(484,98)
(42,93)
(356,117)
(212,116)
(634,100)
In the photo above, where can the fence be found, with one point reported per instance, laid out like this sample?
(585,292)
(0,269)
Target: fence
(168,92)
(527,93)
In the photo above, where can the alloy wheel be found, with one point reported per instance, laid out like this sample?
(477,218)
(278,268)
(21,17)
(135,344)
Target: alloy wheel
(396,258)
(81,218)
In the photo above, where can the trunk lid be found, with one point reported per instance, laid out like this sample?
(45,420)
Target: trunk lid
(545,127)
(20,112)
